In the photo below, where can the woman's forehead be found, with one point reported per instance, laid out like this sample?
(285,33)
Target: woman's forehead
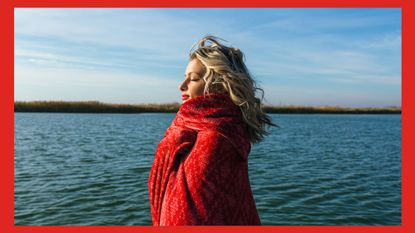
(189,73)
(194,66)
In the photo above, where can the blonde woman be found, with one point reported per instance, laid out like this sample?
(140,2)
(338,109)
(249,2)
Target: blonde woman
(200,170)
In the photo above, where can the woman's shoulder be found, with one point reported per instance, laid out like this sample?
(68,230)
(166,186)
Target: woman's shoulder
(214,139)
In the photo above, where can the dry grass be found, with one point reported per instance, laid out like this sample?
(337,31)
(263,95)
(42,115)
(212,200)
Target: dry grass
(91,107)
(331,109)
(98,107)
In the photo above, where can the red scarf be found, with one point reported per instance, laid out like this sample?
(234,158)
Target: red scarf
(200,170)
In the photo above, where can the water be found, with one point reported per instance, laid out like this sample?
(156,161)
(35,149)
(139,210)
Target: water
(92,169)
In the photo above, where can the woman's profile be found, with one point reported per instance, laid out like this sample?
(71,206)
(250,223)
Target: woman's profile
(199,174)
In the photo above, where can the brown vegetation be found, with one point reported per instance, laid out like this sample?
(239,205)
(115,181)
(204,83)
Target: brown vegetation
(331,109)
(91,107)
(98,107)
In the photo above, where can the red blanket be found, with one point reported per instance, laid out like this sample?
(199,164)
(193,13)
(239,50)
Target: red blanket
(200,170)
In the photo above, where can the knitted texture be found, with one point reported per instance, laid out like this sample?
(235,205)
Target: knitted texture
(200,170)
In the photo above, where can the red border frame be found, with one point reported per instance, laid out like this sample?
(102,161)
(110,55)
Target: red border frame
(7,111)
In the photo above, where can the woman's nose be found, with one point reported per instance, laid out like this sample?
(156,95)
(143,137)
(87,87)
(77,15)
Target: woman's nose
(183,86)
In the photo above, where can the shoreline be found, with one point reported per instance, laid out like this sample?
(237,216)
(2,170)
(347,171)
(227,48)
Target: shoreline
(99,107)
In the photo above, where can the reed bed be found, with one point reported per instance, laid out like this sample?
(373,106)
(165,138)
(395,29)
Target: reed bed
(91,107)
(98,107)
(331,109)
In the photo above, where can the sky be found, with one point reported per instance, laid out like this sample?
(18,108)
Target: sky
(346,57)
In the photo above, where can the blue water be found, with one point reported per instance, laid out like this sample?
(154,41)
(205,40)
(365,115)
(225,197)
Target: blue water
(92,169)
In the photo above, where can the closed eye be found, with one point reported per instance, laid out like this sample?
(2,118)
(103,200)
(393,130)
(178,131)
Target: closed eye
(192,76)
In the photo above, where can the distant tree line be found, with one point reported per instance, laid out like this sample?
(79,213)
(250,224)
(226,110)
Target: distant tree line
(98,107)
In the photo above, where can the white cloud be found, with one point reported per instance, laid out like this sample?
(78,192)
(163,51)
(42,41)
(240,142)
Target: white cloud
(113,51)
(158,35)
(300,95)
(388,41)
(57,84)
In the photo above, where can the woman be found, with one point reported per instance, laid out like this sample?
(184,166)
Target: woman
(200,170)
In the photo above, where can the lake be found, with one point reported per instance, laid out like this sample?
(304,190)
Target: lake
(315,169)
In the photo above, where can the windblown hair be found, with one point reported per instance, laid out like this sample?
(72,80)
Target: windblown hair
(225,71)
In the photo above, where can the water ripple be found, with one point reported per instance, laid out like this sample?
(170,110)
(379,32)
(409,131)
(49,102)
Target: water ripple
(92,169)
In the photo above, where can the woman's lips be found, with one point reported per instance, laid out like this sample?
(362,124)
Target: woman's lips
(185,97)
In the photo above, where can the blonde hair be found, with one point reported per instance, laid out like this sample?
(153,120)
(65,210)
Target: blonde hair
(225,71)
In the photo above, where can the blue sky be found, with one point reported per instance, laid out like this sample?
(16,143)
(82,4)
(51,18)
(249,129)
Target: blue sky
(327,56)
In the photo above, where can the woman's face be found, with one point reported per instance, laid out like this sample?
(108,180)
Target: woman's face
(193,84)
